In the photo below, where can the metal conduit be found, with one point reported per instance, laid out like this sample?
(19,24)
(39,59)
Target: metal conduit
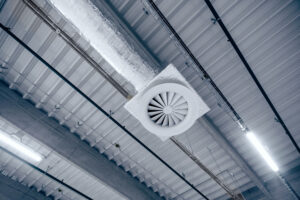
(75,47)
(46,174)
(7,30)
(231,193)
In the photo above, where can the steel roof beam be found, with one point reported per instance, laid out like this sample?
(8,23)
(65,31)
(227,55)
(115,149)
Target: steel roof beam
(46,174)
(10,189)
(36,123)
(7,30)
(213,130)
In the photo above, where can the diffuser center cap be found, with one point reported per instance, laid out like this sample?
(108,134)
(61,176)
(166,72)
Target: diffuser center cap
(168,110)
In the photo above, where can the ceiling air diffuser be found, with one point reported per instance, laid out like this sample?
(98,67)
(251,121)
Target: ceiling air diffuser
(168,105)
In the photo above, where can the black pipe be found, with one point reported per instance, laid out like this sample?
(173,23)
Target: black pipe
(246,64)
(194,59)
(46,173)
(7,30)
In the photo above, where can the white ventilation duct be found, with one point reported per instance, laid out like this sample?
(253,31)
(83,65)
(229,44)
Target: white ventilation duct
(165,104)
(105,38)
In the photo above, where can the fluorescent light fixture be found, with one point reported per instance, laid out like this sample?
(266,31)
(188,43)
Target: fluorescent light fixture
(19,147)
(259,147)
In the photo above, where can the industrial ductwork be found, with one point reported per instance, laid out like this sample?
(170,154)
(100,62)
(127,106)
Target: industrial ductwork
(165,103)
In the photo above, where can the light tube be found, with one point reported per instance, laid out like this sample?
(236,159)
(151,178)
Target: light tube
(259,147)
(19,147)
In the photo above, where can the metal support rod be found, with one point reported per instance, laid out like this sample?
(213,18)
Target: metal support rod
(246,64)
(217,135)
(45,173)
(99,108)
(75,47)
(231,193)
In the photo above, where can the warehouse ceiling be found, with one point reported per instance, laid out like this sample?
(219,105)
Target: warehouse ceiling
(58,87)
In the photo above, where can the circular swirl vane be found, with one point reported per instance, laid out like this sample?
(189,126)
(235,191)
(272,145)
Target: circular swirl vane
(167,109)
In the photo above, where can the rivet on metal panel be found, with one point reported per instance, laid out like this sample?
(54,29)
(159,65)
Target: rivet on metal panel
(79,123)
(214,20)
(2,69)
(183,174)
(57,31)
(3,66)
(117,145)
(57,107)
(145,11)
(111,112)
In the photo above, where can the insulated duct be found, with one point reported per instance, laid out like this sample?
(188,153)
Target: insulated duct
(119,50)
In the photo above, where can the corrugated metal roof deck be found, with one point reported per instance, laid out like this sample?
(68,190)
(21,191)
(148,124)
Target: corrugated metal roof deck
(56,166)
(268,35)
(75,111)
(266,32)
(225,68)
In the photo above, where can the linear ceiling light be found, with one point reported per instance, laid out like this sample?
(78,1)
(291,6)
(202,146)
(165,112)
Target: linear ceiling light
(14,145)
(259,147)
